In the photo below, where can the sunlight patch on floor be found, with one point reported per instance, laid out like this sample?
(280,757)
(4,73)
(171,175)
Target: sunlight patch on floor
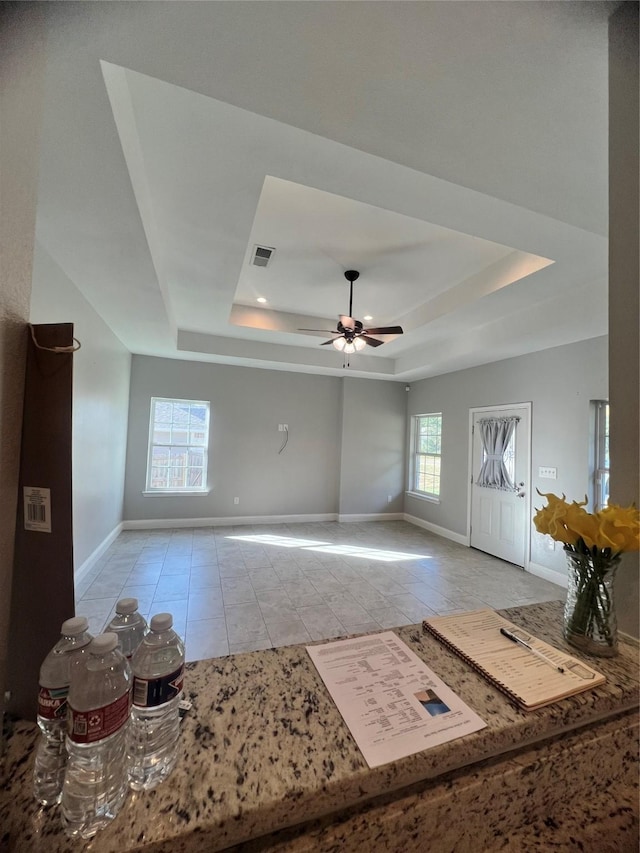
(282,541)
(328,548)
(368,553)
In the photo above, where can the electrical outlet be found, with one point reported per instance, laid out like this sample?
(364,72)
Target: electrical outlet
(547,473)
(286,427)
(280,427)
(389,498)
(236,500)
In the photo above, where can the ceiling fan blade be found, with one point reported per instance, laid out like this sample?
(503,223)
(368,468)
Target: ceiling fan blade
(324,343)
(328,331)
(372,342)
(385,330)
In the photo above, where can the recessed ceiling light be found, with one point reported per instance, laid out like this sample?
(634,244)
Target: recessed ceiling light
(368,317)
(261,299)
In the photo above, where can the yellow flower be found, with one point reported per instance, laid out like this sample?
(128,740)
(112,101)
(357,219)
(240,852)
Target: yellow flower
(619,528)
(616,528)
(583,525)
(558,518)
(561,533)
(541,520)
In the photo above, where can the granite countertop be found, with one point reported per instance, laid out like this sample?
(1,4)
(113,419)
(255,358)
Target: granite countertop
(264,747)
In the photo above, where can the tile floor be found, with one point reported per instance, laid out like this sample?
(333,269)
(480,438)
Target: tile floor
(243,588)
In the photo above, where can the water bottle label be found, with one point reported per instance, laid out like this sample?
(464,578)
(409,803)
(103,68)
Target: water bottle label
(149,692)
(52,702)
(99,723)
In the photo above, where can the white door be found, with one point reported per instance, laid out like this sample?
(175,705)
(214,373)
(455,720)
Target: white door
(499,515)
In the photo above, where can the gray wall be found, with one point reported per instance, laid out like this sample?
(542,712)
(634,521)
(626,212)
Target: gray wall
(560,383)
(22,68)
(247,405)
(373,446)
(101,370)
(624,299)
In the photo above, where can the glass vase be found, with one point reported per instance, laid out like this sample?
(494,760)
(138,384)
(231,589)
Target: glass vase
(589,614)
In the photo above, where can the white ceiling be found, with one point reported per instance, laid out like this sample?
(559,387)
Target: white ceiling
(454,153)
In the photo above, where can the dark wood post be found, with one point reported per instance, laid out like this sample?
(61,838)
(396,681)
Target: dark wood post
(42,594)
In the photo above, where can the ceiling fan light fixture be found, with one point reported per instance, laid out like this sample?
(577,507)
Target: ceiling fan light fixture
(351,334)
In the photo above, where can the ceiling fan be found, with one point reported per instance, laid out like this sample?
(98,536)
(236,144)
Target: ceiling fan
(351,334)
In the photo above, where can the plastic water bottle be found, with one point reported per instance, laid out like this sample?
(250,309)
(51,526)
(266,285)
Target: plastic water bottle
(55,675)
(129,626)
(158,672)
(95,784)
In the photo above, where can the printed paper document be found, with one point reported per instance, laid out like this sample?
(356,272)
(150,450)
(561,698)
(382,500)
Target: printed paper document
(393,704)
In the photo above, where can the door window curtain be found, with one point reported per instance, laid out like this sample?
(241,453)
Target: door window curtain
(495,434)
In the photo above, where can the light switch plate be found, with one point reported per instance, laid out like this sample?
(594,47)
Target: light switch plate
(547,473)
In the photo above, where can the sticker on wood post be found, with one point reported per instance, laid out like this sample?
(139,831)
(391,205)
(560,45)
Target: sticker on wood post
(37,509)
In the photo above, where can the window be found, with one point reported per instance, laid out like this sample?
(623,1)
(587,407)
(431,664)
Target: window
(601,468)
(178,440)
(427,438)
(509,457)
(497,435)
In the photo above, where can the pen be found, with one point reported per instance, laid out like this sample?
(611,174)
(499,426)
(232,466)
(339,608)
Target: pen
(538,654)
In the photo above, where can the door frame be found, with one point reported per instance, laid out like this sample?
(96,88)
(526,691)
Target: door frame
(527,498)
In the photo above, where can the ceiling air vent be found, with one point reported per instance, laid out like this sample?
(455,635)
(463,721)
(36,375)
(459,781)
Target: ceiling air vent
(261,256)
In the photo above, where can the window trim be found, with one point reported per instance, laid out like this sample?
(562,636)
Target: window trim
(413,491)
(191,491)
(175,494)
(422,496)
(600,471)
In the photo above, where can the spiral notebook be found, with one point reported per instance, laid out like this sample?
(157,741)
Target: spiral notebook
(525,677)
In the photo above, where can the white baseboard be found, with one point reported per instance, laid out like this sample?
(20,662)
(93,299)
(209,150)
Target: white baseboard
(634,641)
(372,516)
(95,555)
(160,523)
(434,528)
(539,571)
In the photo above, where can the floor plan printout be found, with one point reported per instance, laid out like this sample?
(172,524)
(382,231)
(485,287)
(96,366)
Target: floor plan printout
(393,704)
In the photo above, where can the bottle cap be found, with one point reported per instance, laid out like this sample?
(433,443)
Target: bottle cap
(127,605)
(161,622)
(103,643)
(75,625)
